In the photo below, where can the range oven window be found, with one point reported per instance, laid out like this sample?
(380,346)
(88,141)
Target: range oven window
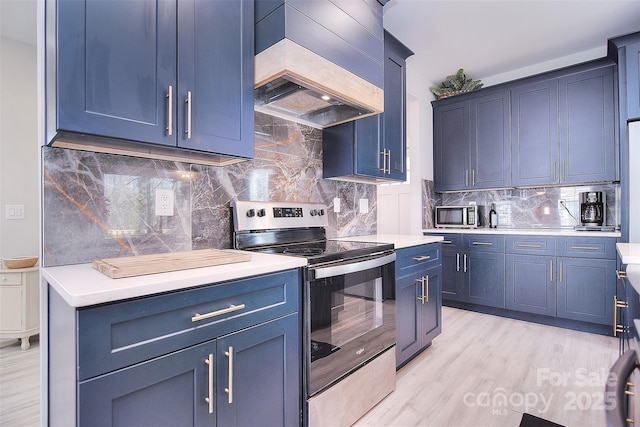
(352,318)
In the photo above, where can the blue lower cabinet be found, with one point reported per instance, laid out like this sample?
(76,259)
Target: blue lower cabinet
(586,288)
(247,378)
(418,301)
(484,278)
(530,284)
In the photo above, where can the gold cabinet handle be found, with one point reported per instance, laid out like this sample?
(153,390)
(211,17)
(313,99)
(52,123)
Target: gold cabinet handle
(229,390)
(209,399)
(170,111)
(421,258)
(230,309)
(616,305)
(188,102)
(621,274)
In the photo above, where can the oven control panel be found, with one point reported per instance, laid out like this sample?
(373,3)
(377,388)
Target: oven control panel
(249,215)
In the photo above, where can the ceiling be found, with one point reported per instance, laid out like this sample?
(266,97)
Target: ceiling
(485,37)
(489,38)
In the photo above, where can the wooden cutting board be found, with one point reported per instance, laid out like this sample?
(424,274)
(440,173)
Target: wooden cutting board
(139,265)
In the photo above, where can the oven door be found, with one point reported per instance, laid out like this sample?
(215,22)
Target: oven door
(350,317)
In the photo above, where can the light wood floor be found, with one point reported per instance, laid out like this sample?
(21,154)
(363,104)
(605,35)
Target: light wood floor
(20,384)
(486,371)
(463,379)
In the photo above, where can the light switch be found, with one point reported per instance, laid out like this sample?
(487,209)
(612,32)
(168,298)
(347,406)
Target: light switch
(364,206)
(14,212)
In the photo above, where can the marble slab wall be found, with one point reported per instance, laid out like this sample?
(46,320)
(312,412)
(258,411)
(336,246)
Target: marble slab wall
(526,208)
(100,205)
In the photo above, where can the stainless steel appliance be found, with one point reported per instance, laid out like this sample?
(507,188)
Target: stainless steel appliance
(348,307)
(459,216)
(592,208)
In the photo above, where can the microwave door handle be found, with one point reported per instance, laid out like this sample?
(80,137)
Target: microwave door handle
(342,269)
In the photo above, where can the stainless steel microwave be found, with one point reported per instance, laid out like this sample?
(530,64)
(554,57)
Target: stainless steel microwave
(459,216)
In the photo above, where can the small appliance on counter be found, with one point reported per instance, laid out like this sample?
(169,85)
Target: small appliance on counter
(459,216)
(593,212)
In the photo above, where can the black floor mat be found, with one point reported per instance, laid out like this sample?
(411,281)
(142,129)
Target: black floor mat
(529,420)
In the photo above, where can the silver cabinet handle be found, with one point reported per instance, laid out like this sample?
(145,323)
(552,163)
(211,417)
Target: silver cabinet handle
(473,177)
(525,245)
(457,262)
(188,102)
(446,242)
(465,263)
(424,281)
(562,170)
(421,258)
(170,111)
(560,272)
(209,399)
(585,248)
(230,309)
(383,153)
(229,390)
(482,243)
(425,294)
(555,166)
(466,177)
(389,162)
(551,270)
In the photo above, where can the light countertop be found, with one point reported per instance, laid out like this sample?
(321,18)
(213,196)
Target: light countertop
(558,232)
(399,240)
(81,285)
(629,252)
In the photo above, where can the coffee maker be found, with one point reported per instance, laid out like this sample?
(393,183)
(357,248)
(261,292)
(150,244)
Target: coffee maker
(593,209)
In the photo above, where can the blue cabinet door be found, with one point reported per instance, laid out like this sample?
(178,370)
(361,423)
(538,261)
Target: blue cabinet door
(450,146)
(534,133)
(484,278)
(215,72)
(430,304)
(367,138)
(113,80)
(530,284)
(585,289)
(259,375)
(587,127)
(166,391)
(632,57)
(490,143)
(408,336)
(451,275)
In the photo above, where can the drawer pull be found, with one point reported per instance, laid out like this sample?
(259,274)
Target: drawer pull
(209,399)
(526,245)
(586,248)
(458,262)
(446,242)
(169,127)
(621,274)
(230,309)
(424,281)
(229,390)
(482,243)
(421,258)
(551,270)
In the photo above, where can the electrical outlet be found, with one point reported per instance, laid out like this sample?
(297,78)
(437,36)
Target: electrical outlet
(364,206)
(336,204)
(164,202)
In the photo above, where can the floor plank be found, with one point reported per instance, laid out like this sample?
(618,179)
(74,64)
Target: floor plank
(20,384)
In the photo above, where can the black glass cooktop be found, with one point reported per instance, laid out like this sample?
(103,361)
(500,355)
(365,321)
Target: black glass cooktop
(328,250)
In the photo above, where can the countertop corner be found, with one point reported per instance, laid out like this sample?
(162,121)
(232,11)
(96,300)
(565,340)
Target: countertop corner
(399,241)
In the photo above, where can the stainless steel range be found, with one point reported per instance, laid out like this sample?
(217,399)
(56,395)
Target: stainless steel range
(348,306)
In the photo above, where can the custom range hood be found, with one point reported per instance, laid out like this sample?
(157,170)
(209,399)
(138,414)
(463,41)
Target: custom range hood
(319,63)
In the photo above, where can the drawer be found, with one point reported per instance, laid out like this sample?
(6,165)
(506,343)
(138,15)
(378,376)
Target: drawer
(450,242)
(116,335)
(409,260)
(483,242)
(530,245)
(587,247)
(10,278)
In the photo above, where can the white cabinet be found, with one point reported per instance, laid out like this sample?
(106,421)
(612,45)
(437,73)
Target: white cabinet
(19,304)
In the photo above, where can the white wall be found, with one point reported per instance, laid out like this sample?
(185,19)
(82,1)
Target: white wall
(19,147)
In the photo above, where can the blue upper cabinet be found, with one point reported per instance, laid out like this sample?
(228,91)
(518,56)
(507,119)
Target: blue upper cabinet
(626,50)
(563,129)
(373,148)
(143,80)
(471,142)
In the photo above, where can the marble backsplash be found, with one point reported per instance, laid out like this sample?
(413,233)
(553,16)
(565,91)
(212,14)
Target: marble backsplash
(100,205)
(525,208)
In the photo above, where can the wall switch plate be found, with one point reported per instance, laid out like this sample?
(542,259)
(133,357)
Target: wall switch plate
(336,205)
(164,202)
(14,212)
(364,206)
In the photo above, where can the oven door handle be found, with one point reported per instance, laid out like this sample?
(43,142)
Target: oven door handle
(342,269)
